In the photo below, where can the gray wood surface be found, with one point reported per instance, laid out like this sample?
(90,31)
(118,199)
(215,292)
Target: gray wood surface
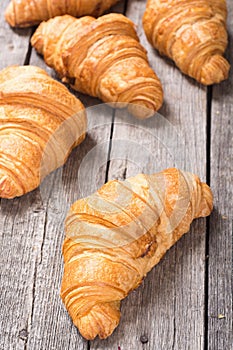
(168,309)
(220,225)
(185,301)
(21,225)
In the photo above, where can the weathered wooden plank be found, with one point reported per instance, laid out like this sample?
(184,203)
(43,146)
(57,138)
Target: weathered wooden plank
(23,224)
(220,227)
(170,317)
(20,247)
(51,325)
(84,171)
(167,311)
(21,228)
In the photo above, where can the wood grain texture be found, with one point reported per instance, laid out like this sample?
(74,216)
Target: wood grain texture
(167,311)
(21,228)
(52,327)
(220,227)
(32,314)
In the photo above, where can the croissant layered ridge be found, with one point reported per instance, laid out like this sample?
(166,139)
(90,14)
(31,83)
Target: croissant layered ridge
(192,33)
(115,236)
(40,123)
(26,13)
(102,58)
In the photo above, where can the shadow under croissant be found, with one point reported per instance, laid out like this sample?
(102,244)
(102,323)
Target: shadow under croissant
(23,204)
(71,167)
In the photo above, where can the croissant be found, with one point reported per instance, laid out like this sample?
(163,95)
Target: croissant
(26,13)
(40,123)
(102,58)
(192,33)
(115,236)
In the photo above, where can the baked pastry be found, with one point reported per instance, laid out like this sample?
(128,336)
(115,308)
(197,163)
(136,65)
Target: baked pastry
(102,58)
(115,236)
(26,13)
(40,123)
(192,33)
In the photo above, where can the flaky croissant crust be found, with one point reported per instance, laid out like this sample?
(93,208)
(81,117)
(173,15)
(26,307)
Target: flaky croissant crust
(26,13)
(40,123)
(103,58)
(192,33)
(115,236)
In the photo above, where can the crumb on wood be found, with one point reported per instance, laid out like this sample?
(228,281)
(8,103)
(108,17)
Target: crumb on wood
(221,316)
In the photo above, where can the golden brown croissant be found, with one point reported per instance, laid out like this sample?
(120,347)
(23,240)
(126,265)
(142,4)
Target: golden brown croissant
(39,126)
(191,33)
(102,58)
(115,236)
(26,13)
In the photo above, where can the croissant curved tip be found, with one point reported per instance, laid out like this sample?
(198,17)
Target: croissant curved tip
(100,320)
(8,187)
(90,333)
(215,70)
(145,107)
(140,111)
(206,205)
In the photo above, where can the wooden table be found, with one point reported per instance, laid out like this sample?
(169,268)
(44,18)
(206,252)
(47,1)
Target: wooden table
(185,302)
